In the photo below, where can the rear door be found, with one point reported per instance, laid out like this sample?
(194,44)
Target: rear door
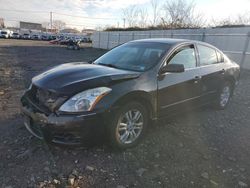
(179,91)
(212,71)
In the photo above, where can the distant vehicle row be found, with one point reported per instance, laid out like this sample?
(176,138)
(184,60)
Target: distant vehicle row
(55,39)
(67,40)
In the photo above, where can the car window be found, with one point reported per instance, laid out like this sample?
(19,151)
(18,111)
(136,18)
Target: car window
(136,56)
(185,56)
(207,55)
(128,54)
(151,55)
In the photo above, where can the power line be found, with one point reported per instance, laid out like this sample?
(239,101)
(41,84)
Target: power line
(84,24)
(69,24)
(25,11)
(37,12)
(84,16)
(53,16)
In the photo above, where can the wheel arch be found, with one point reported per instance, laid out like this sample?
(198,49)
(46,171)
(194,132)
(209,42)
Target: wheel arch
(139,96)
(231,79)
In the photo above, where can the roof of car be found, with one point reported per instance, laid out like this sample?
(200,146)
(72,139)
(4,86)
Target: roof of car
(171,41)
(163,40)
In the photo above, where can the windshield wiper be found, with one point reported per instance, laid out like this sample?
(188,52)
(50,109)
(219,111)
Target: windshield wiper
(108,65)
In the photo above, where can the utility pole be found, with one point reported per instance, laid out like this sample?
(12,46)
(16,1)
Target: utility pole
(51,21)
(124,21)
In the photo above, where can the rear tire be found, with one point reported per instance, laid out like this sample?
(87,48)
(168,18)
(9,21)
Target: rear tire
(224,95)
(128,126)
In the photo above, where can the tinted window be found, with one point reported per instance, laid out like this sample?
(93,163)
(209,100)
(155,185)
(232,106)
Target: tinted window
(207,55)
(136,56)
(185,56)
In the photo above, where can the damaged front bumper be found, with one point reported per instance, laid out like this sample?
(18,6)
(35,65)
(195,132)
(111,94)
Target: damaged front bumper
(66,129)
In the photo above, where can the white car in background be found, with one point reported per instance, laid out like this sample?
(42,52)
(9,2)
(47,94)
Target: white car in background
(15,35)
(5,34)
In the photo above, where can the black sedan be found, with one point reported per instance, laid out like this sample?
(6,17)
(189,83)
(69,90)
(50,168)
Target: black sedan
(126,89)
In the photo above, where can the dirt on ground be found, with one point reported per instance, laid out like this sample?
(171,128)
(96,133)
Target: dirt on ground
(202,148)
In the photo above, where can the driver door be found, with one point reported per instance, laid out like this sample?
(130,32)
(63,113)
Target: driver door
(179,91)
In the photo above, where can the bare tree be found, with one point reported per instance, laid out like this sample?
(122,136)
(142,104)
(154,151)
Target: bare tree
(58,24)
(143,17)
(240,19)
(131,14)
(181,14)
(243,18)
(156,9)
(99,28)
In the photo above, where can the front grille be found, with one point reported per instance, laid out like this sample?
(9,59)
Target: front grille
(43,98)
(46,98)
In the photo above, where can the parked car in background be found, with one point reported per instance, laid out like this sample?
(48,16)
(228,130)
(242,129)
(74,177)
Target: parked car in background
(56,41)
(125,89)
(26,36)
(52,37)
(35,37)
(44,37)
(84,40)
(5,34)
(64,41)
(73,45)
(15,35)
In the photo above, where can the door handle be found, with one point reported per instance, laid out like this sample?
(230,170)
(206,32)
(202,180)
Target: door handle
(222,71)
(197,79)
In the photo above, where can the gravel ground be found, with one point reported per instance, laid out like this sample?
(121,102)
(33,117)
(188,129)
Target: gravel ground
(202,148)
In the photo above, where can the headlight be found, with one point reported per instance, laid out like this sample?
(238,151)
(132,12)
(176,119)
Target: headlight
(84,101)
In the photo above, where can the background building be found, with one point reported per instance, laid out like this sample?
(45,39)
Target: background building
(69,30)
(31,26)
(88,31)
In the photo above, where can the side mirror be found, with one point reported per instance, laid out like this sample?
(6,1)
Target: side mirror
(172,68)
(91,61)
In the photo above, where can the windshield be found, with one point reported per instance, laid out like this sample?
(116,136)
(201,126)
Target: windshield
(4,32)
(136,56)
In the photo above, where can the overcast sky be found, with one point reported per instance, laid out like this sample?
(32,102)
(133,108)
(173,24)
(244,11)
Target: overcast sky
(38,11)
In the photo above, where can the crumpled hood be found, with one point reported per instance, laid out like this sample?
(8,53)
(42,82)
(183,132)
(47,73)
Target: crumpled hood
(71,78)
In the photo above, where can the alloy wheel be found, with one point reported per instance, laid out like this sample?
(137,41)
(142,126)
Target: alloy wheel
(225,96)
(129,127)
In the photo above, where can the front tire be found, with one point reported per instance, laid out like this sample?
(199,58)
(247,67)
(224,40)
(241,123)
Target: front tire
(128,126)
